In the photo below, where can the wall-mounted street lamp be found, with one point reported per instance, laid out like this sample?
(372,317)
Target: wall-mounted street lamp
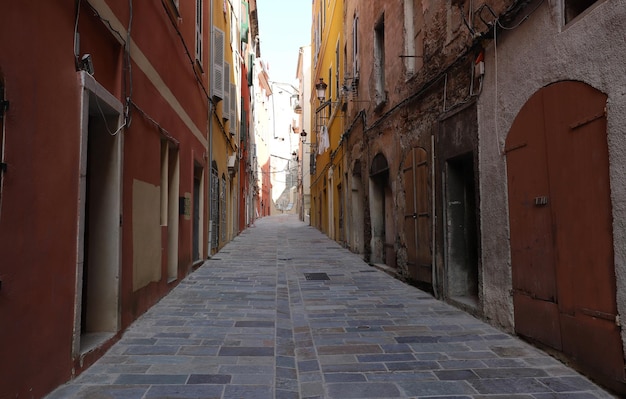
(320,89)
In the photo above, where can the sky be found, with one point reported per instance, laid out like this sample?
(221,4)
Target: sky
(284,27)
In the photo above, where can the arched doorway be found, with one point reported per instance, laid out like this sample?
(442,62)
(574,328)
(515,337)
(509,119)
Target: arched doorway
(564,288)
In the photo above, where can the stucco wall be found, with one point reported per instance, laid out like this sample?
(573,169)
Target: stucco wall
(591,49)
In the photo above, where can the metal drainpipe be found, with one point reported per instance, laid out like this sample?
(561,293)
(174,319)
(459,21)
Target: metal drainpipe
(434,218)
(210,157)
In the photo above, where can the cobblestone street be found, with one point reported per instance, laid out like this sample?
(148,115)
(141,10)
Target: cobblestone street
(259,320)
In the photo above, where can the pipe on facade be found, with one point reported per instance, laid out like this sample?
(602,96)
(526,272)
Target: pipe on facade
(210,157)
(433,219)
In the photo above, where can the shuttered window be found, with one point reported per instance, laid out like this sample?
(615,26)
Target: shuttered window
(199,30)
(218,76)
(226,97)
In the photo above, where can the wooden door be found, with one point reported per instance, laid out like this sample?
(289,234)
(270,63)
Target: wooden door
(564,287)
(417,222)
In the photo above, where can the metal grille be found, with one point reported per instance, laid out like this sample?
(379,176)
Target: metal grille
(316,276)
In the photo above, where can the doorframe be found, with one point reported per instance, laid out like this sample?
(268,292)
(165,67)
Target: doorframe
(90,88)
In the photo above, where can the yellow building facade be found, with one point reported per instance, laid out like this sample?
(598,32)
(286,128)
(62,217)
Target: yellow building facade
(327,99)
(224,124)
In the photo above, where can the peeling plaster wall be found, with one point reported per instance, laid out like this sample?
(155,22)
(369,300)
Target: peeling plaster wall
(591,49)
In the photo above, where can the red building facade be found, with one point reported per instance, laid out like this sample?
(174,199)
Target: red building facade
(103,204)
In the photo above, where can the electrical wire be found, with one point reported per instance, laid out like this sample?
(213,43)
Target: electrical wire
(129,95)
(106,124)
(126,43)
(199,80)
(107,22)
(76,31)
(472,31)
(522,20)
(164,132)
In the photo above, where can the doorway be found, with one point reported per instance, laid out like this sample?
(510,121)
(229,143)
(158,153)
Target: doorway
(560,211)
(355,210)
(214,227)
(197,212)
(381,214)
(99,249)
(170,185)
(462,249)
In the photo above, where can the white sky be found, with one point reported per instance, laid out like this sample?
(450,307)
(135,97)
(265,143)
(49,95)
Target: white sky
(284,27)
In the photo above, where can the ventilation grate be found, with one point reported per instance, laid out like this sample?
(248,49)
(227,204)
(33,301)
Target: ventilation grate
(316,276)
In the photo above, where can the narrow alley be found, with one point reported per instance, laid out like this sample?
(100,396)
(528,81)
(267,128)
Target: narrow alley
(284,312)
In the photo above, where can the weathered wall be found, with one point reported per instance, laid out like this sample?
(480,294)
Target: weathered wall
(539,52)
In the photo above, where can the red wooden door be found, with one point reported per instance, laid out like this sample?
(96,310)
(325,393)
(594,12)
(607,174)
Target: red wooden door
(564,287)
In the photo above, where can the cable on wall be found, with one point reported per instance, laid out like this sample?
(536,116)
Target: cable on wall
(199,80)
(161,129)
(128,89)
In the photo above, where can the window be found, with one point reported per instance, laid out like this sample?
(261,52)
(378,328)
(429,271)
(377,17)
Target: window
(330,83)
(355,48)
(198,30)
(318,38)
(232,129)
(226,103)
(217,88)
(409,39)
(379,62)
(418,34)
(574,8)
(337,70)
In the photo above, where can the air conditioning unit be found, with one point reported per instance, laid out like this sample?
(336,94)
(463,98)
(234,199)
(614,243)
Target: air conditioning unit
(233,165)
(232,160)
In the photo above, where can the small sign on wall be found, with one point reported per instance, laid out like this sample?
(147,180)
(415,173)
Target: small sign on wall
(185,206)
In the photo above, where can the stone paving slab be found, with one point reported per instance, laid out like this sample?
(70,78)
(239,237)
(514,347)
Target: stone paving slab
(249,324)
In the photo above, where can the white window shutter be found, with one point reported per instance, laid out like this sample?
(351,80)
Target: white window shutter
(226,103)
(217,84)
